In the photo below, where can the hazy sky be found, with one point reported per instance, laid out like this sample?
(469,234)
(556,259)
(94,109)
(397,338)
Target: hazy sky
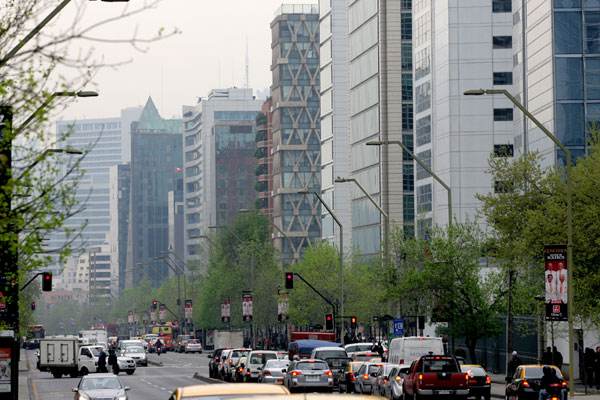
(175,71)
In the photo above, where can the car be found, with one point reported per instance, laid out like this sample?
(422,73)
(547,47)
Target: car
(105,386)
(274,371)
(405,350)
(152,346)
(525,382)
(180,343)
(215,360)
(126,364)
(308,374)
(233,355)
(138,354)
(227,390)
(392,389)
(366,356)
(480,383)
(348,378)
(363,382)
(225,359)
(193,346)
(240,369)
(126,343)
(337,365)
(321,353)
(256,360)
(381,378)
(354,347)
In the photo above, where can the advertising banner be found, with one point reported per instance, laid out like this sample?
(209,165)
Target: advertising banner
(130,317)
(188,309)
(226,311)
(5,369)
(282,306)
(555,281)
(247,306)
(161,313)
(153,316)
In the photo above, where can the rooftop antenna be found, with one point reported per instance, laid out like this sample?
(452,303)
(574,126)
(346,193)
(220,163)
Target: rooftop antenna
(247,83)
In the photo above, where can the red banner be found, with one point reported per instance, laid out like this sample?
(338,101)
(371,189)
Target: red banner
(247,306)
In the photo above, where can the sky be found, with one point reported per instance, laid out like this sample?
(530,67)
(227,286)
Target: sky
(210,52)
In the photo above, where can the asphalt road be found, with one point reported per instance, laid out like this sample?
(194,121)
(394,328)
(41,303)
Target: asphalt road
(147,383)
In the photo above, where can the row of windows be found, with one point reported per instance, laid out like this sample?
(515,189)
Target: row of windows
(574,36)
(501,6)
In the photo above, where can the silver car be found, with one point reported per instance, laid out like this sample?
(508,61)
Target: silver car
(393,388)
(193,346)
(100,386)
(138,354)
(126,364)
(308,374)
(274,371)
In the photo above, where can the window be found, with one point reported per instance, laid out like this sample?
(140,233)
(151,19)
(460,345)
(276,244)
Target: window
(408,178)
(406,26)
(423,96)
(423,130)
(407,87)
(501,6)
(592,77)
(503,114)
(503,78)
(569,78)
(407,56)
(502,42)
(503,150)
(569,124)
(407,140)
(567,32)
(407,117)
(424,198)
(591,22)
(425,157)
(408,207)
(406,4)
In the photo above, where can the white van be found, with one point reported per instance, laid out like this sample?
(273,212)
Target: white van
(405,350)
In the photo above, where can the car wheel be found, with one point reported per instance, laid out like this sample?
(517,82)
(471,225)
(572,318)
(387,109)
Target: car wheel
(130,372)
(57,375)
(84,371)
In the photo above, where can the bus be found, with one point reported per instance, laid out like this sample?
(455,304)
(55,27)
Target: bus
(34,334)
(166,332)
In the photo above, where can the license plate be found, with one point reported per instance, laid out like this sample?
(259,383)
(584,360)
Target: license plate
(313,378)
(444,391)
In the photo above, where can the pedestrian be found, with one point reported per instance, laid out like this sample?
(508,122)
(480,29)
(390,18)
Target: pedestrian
(359,337)
(379,349)
(597,368)
(347,338)
(589,358)
(460,352)
(513,363)
(374,346)
(158,346)
(102,361)
(558,358)
(547,356)
(112,361)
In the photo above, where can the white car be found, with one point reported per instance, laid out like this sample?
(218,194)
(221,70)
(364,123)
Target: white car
(138,354)
(256,361)
(126,364)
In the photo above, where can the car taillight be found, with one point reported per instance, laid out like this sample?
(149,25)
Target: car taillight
(385,381)
(248,373)
(564,383)
(420,377)
(488,380)
(525,384)
(352,378)
(296,373)
(366,377)
(401,361)
(240,369)
(328,373)
(398,379)
(267,372)
(230,361)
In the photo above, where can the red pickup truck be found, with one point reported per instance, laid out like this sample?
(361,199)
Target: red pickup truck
(435,376)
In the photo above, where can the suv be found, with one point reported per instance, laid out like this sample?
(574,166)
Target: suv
(256,361)
(322,353)
(215,361)
(233,356)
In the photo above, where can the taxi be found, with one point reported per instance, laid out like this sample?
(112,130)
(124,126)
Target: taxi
(227,391)
(480,383)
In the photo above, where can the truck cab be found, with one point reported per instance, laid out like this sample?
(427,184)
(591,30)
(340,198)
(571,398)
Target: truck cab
(436,376)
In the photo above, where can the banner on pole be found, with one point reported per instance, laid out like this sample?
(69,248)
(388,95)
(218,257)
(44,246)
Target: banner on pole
(247,306)
(225,311)
(161,313)
(282,306)
(188,309)
(153,316)
(130,317)
(555,281)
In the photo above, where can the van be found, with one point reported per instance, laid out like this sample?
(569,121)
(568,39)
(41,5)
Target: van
(405,350)
(323,353)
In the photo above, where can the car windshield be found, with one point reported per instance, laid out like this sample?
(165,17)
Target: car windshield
(365,357)
(538,372)
(307,366)
(261,358)
(359,347)
(96,351)
(100,383)
(276,364)
(240,353)
(473,371)
(193,341)
(135,349)
(330,354)
(373,368)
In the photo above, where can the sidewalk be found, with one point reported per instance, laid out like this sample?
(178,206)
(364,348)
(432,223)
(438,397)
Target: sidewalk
(498,385)
(24,376)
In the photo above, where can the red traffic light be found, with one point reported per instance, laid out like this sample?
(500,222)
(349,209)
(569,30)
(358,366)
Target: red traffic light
(33,306)
(353,320)
(47,281)
(328,317)
(289,280)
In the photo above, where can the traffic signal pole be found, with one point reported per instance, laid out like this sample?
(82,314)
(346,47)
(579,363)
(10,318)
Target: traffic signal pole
(316,291)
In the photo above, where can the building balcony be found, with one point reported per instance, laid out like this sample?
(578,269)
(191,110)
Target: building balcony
(263,178)
(264,195)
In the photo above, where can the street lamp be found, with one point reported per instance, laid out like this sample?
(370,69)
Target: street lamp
(479,92)
(385,215)
(337,221)
(45,154)
(425,167)
(290,255)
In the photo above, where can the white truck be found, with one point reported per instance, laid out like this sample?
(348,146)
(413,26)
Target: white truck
(92,336)
(66,356)
(231,339)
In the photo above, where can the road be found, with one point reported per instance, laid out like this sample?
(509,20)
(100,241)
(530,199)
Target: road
(147,383)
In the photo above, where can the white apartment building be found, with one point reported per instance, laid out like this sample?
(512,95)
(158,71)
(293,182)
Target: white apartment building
(459,45)
(335,145)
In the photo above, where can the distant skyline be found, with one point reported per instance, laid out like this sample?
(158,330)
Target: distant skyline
(209,53)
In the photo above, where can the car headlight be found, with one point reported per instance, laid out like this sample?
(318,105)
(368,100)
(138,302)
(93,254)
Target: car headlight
(83,396)
(122,397)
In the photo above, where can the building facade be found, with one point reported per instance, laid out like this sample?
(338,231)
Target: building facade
(459,46)
(380,109)
(335,145)
(296,127)
(156,165)
(219,162)
(120,200)
(264,172)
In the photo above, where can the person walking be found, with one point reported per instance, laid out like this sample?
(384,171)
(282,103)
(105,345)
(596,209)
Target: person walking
(597,368)
(589,358)
(547,356)
(513,363)
(102,361)
(112,361)
(558,358)
(460,352)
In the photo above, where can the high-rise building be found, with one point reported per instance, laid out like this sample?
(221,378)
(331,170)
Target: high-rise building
(556,73)
(156,166)
(335,136)
(380,109)
(459,46)
(106,138)
(296,127)
(264,173)
(219,162)
(120,200)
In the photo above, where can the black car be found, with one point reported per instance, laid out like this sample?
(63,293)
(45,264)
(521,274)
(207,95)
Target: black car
(338,366)
(525,382)
(480,383)
(213,364)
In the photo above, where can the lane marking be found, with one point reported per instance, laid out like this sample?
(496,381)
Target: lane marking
(35,392)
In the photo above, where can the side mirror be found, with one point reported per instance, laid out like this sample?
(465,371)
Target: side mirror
(74,390)
(508,379)
(127,388)
(284,370)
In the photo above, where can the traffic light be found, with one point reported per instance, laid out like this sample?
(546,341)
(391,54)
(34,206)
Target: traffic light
(47,281)
(353,322)
(421,322)
(154,304)
(328,322)
(289,280)
(175,322)
(33,306)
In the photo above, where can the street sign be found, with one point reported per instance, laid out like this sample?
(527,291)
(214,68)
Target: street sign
(398,327)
